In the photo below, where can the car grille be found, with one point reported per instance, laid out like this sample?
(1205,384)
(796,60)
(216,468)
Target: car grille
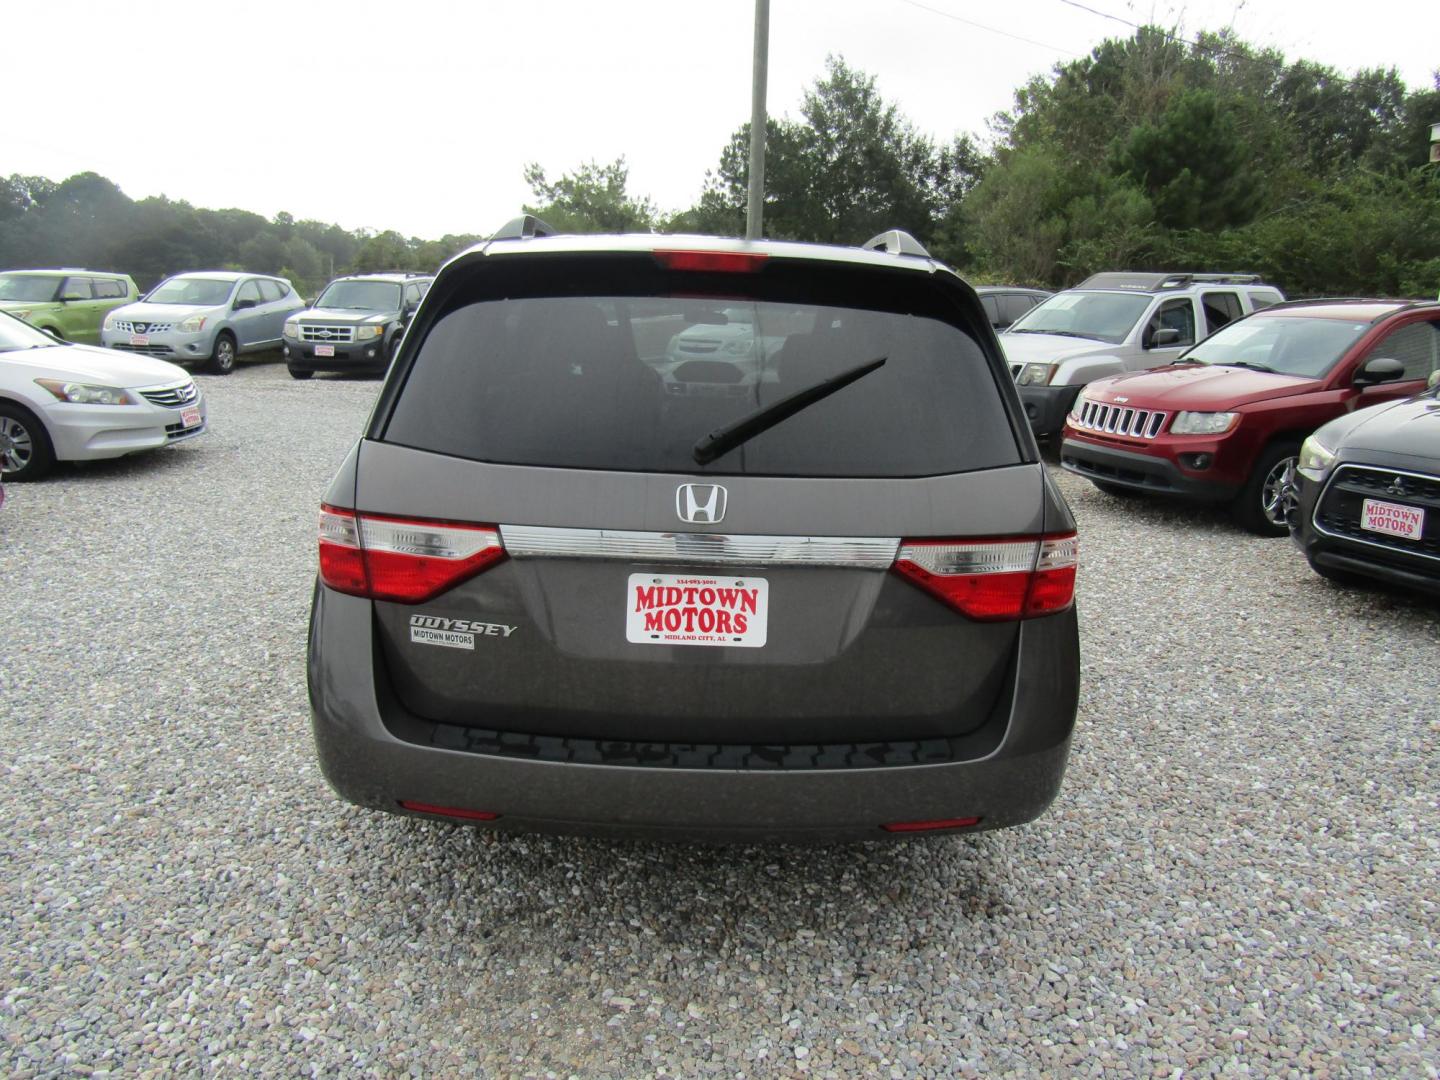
(1118,420)
(337,334)
(1340,507)
(896,752)
(142,327)
(147,350)
(177,431)
(172,397)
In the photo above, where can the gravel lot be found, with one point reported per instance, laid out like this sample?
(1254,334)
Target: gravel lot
(1239,876)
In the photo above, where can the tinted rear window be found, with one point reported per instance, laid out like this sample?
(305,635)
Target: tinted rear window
(631,383)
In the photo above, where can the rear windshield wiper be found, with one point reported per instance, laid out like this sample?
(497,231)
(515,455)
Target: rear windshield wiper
(724,439)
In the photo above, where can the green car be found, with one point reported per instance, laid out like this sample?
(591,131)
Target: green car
(67,303)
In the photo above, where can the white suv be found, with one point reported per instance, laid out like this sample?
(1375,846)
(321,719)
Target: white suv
(1113,323)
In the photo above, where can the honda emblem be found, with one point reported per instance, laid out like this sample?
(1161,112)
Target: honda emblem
(696,503)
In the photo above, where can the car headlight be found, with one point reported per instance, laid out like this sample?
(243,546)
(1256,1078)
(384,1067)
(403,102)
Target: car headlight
(23,314)
(109,323)
(1036,375)
(368,331)
(192,325)
(87,394)
(1315,457)
(1203,423)
(292,328)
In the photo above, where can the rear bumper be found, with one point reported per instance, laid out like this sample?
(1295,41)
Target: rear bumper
(1143,472)
(1009,782)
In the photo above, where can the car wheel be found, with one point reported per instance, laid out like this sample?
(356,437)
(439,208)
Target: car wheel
(298,373)
(53,332)
(222,357)
(394,347)
(1268,496)
(1120,491)
(25,450)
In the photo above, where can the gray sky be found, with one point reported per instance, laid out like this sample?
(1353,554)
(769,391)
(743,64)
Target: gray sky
(421,115)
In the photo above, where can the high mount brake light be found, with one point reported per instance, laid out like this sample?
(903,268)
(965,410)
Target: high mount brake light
(407,560)
(724,262)
(995,580)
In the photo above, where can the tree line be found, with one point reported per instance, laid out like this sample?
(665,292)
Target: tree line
(1152,152)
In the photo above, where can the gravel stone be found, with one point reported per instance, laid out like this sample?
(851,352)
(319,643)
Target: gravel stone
(1238,877)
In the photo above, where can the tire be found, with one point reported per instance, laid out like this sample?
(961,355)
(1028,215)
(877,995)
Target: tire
(298,373)
(394,349)
(56,334)
(25,450)
(1262,504)
(222,356)
(1120,491)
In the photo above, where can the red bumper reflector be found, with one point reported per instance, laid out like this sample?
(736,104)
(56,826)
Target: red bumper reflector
(723,262)
(929,826)
(449,811)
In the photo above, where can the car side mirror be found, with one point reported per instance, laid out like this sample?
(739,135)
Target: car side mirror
(241,305)
(1379,369)
(1167,335)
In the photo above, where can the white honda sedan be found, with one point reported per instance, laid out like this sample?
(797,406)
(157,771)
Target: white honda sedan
(63,402)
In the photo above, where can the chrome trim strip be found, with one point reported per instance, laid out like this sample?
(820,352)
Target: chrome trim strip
(1324,491)
(539,542)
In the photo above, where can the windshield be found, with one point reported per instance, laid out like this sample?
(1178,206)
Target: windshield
(191,292)
(361,296)
(15,334)
(1100,316)
(28,288)
(1288,344)
(646,383)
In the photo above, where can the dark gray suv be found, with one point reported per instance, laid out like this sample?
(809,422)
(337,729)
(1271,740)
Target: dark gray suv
(815,582)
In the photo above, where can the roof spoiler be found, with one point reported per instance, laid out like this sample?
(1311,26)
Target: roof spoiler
(896,242)
(524,227)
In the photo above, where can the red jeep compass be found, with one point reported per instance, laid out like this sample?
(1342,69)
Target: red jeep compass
(1225,421)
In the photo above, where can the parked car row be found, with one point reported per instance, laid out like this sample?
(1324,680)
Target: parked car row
(1211,387)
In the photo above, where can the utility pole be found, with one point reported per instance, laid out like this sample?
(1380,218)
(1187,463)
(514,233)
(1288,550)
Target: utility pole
(757,121)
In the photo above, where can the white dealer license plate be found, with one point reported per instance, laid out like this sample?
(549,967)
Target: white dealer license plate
(691,609)
(324,350)
(139,339)
(190,417)
(1392,519)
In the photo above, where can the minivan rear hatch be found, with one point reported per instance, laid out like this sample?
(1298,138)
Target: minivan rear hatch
(569,404)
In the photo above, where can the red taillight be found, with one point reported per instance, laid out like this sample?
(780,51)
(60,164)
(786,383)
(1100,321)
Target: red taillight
(407,560)
(929,826)
(722,262)
(994,580)
(449,811)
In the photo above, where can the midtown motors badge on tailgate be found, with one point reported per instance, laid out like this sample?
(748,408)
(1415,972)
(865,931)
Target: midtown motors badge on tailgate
(683,609)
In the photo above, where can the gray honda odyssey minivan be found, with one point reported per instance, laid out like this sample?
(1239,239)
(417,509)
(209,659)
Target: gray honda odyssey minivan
(805,576)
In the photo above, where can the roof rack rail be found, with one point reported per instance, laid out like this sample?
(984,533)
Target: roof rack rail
(1158,281)
(523,227)
(896,242)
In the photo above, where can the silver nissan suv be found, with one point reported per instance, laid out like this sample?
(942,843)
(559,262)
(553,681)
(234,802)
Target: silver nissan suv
(813,583)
